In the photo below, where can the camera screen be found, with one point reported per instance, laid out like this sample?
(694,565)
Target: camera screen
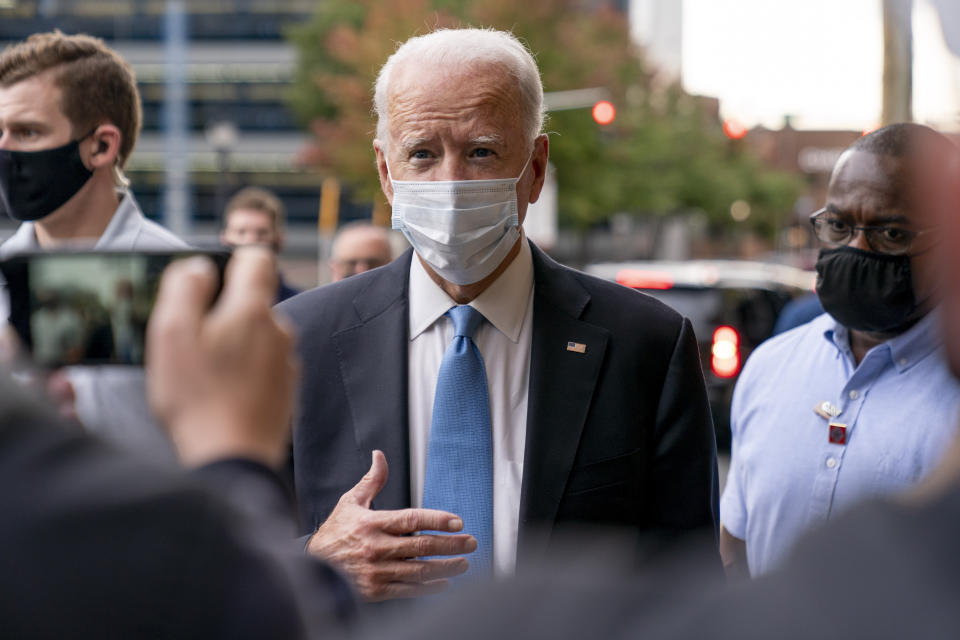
(91,308)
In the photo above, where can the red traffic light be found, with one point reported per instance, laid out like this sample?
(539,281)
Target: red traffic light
(725,352)
(604,112)
(734,130)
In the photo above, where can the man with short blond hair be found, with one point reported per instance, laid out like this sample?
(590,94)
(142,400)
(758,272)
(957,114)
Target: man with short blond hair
(256,216)
(264,202)
(76,101)
(69,119)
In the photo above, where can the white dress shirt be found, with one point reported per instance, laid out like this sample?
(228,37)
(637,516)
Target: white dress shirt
(504,343)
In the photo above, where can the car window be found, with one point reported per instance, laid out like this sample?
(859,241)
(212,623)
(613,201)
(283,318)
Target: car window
(704,307)
(752,312)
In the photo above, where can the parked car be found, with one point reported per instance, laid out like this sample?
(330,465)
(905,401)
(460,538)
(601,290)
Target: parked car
(733,306)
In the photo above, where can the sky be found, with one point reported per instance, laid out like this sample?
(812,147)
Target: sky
(821,61)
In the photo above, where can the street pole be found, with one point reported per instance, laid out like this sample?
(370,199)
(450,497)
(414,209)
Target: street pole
(327,220)
(897,62)
(223,137)
(176,201)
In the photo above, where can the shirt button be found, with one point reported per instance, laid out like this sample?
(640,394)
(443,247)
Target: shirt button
(854,394)
(903,362)
(831,463)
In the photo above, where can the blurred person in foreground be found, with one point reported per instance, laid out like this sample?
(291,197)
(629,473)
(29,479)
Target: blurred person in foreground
(101,545)
(516,395)
(887,568)
(256,216)
(860,401)
(357,247)
(69,119)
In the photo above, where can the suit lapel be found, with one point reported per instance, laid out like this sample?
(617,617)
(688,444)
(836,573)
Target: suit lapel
(373,362)
(561,389)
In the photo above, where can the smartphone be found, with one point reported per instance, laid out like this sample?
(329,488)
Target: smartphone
(88,307)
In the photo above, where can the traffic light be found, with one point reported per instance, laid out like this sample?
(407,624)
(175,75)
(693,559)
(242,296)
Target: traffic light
(604,112)
(733,129)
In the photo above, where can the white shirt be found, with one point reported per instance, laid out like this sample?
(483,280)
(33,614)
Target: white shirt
(504,343)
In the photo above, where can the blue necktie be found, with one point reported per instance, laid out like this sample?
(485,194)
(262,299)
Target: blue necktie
(459,476)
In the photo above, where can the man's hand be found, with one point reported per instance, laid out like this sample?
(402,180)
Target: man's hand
(221,379)
(375,549)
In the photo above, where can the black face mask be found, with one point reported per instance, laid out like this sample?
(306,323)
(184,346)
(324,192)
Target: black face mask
(867,291)
(34,184)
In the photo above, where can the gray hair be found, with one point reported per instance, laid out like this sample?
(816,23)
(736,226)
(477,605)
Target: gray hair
(463,47)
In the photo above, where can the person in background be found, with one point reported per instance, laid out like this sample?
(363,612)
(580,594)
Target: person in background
(514,395)
(860,401)
(69,120)
(257,216)
(798,311)
(357,247)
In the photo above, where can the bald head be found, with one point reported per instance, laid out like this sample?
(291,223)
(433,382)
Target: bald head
(891,191)
(902,139)
(909,166)
(359,247)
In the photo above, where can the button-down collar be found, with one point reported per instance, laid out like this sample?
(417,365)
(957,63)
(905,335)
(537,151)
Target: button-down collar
(904,350)
(504,303)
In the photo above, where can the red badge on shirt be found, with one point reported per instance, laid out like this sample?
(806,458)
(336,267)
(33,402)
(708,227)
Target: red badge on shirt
(838,433)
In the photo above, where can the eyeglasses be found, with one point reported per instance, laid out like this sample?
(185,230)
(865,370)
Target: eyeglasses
(832,230)
(352,266)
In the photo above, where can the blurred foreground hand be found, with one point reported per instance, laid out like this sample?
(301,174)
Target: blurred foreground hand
(54,384)
(221,378)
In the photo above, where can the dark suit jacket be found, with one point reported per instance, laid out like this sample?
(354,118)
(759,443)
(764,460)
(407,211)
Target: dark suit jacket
(619,435)
(284,290)
(97,544)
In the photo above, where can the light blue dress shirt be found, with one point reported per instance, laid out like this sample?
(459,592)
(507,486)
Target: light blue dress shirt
(900,406)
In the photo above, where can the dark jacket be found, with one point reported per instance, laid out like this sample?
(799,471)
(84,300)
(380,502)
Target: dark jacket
(97,544)
(619,435)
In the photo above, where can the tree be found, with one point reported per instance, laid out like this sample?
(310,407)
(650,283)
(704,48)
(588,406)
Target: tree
(664,153)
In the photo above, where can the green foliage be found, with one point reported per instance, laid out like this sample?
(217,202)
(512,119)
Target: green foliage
(665,152)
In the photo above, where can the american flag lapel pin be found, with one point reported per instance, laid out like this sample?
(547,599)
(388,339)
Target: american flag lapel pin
(576,347)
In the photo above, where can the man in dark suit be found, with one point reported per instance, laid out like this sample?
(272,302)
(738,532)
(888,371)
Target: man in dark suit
(592,394)
(97,544)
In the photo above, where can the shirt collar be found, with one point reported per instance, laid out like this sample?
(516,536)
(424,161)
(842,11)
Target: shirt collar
(120,234)
(504,303)
(23,239)
(124,227)
(905,350)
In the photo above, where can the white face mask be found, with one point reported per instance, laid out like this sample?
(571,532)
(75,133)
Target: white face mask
(462,228)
